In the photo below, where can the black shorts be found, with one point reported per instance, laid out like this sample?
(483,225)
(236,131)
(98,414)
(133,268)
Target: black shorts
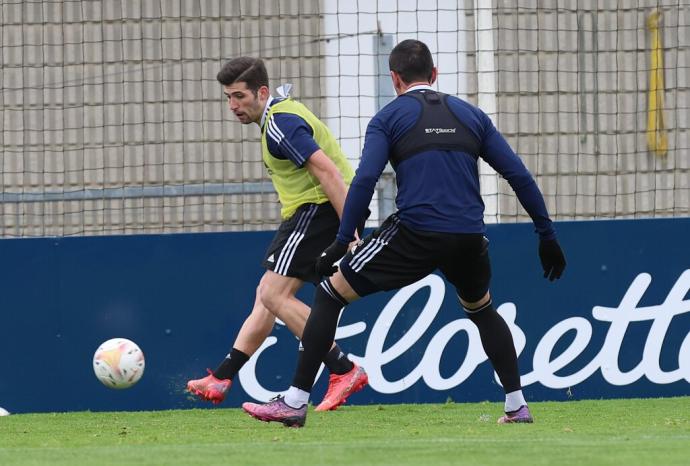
(300,240)
(394,256)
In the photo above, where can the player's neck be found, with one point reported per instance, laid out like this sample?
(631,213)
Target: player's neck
(406,87)
(264,111)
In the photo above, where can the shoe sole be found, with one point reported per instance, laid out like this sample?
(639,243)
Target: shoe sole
(502,420)
(203,397)
(357,386)
(287,422)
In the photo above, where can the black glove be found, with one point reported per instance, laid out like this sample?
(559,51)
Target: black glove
(552,259)
(325,264)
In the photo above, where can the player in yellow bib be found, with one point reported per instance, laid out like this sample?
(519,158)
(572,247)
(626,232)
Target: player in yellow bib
(295,185)
(311,176)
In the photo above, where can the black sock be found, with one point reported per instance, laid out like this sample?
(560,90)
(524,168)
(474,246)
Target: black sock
(498,345)
(231,365)
(318,334)
(337,362)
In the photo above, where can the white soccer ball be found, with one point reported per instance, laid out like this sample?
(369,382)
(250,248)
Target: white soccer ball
(4,412)
(118,363)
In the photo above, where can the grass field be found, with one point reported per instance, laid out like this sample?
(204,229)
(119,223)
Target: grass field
(601,432)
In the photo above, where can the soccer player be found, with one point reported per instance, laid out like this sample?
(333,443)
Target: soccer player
(311,175)
(434,142)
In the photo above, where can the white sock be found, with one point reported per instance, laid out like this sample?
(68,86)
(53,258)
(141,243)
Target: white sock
(513,401)
(296,398)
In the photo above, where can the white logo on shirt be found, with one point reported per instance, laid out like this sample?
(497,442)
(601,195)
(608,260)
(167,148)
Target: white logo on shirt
(440,130)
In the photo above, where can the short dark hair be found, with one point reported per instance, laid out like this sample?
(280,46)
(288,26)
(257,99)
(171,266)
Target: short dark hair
(411,59)
(251,71)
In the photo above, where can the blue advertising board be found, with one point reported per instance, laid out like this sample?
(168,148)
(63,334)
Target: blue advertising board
(616,325)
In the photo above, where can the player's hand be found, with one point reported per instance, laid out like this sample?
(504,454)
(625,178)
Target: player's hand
(325,265)
(552,259)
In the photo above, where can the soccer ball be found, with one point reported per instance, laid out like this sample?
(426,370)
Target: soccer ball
(118,363)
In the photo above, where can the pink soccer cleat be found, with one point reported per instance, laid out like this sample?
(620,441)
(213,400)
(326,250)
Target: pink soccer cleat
(342,386)
(210,388)
(522,415)
(277,410)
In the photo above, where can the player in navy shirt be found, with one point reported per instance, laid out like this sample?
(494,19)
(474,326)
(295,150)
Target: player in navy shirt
(436,166)
(434,142)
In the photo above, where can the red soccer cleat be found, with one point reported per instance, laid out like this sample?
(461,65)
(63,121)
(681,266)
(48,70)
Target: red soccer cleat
(210,388)
(342,386)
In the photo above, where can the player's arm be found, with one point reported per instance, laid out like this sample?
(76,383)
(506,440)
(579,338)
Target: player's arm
(498,153)
(501,157)
(290,137)
(323,169)
(371,165)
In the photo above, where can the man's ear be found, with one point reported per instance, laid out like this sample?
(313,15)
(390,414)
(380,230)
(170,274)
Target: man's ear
(397,82)
(263,92)
(434,75)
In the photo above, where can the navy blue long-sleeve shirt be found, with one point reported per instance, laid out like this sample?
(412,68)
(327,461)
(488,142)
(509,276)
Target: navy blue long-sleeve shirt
(290,137)
(438,189)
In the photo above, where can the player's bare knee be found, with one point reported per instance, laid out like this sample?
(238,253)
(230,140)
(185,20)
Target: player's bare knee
(271,298)
(344,289)
(266,296)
